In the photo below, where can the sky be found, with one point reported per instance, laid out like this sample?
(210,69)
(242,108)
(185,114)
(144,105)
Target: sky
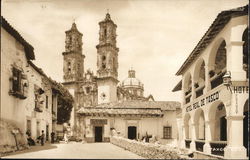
(154,36)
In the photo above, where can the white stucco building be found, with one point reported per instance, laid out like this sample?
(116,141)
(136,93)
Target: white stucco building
(215,116)
(28,97)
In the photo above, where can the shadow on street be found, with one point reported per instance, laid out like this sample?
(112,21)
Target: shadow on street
(38,147)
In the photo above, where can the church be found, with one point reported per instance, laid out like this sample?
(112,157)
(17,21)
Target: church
(102,105)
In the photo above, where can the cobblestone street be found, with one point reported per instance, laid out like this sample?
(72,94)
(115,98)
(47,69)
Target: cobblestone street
(76,150)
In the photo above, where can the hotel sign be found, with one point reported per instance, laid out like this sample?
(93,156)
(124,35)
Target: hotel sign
(98,121)
(240,89)
(211,98)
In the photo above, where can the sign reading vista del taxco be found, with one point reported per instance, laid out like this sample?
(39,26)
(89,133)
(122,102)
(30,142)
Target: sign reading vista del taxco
(216,96)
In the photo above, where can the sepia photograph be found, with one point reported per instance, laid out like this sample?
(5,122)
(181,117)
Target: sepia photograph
(124,79)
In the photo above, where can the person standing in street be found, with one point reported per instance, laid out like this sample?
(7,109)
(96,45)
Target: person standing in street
(42,138)
(52,136)
(65,138)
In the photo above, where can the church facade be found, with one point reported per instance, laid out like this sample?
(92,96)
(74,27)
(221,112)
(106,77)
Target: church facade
(104,106)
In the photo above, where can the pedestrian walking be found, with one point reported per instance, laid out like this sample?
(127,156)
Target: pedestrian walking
(52,136)
(42,138)
(65,138)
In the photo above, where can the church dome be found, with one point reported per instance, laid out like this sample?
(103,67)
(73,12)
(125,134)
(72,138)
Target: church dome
(131,81)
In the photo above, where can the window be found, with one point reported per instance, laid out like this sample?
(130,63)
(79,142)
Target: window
(37,128)
(103,58)
(28,127)
(105,32)
(47,102)
(36,101)
(52,103)
(167,132)
(16,82)
(78,67)
(69,66)
(88,90)
(39,101)
(103,66)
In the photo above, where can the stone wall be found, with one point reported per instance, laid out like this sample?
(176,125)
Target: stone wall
(149,150)
(8,142)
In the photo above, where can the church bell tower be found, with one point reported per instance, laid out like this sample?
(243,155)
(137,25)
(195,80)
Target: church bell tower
(107,61)
(73,58)
(73,66)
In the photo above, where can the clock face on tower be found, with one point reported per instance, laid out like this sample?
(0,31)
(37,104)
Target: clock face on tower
(103,96)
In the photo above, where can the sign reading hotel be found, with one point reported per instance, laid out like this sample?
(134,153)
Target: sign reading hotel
(215,96)
(240,89)
(211,98)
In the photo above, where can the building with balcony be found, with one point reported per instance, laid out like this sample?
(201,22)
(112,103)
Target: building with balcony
(214,115)
(29,98)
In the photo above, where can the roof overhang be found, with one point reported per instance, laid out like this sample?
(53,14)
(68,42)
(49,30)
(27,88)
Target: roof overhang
(219,23)
(28,49)
(177,87)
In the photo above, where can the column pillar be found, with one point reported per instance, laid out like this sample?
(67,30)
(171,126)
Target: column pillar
(207,78)
(194,136)
(193,89)
(235,148)
(209,125)
(182,142)
(235,49)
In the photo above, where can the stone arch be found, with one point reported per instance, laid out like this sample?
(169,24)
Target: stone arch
(245,51)
(215,47)
(221,57)
(217,115)
(199,120)
(217,63)
(187,123)
(199,77)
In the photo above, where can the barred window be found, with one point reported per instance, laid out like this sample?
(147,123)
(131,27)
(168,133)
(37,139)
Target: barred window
(16,82)
(47,102)
(167,132)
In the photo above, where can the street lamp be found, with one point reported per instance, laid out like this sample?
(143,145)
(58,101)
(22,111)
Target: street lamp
(228,83)
(227,80)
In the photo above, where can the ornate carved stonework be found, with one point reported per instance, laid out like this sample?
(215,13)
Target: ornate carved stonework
(107,52)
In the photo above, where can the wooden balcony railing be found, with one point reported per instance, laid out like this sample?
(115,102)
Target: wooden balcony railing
(199,91)
(217,79)
(188,98)
(187,143)
(199,145)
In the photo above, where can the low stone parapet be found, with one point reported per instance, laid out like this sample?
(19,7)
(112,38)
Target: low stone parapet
(149,150)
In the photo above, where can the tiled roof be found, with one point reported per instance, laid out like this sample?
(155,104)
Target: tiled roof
(163,105)
(29,50)
(219,23)
(155,112)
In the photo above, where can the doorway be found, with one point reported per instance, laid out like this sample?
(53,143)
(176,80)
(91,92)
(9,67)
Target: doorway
(131,132)
(47,132)
(98,134)
(245,128)
(223,128)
